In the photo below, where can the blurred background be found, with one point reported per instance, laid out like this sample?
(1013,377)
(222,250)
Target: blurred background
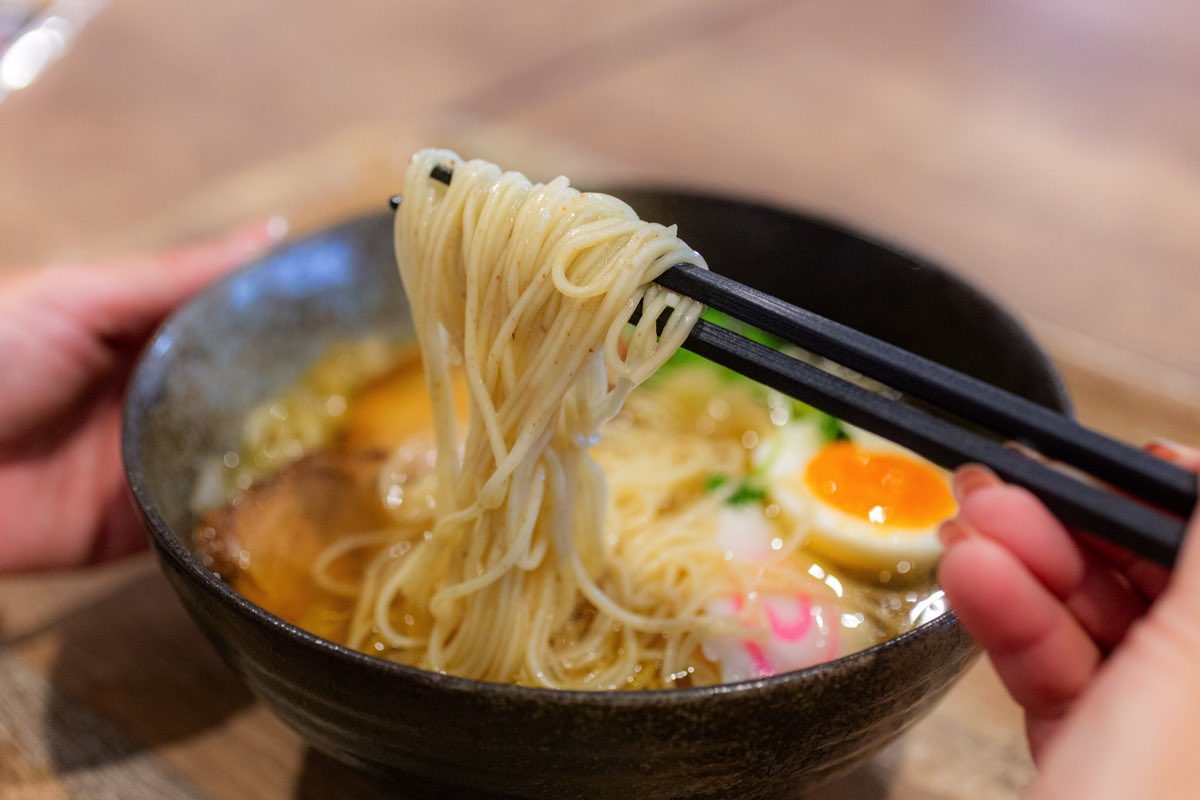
(1049,151)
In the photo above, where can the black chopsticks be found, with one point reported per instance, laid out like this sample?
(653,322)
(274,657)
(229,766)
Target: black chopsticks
(1151,526)
(1139,528)
(1050,433)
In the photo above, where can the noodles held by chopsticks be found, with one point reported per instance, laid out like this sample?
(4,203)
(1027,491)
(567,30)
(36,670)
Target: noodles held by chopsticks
(529,287)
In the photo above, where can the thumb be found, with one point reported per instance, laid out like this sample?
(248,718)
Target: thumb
(126,297)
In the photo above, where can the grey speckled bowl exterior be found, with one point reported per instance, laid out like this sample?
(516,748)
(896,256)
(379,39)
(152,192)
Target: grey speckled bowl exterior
(247,337)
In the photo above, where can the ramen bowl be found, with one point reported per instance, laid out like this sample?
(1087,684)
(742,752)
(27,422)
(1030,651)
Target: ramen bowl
(247,338)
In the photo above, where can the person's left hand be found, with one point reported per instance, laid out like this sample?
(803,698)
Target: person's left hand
(68,338)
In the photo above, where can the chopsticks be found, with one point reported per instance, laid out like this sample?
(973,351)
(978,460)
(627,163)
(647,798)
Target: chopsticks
(1052,434)
(1151,526)
(1143,530)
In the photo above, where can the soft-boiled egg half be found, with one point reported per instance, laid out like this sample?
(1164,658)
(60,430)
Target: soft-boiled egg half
(861,501)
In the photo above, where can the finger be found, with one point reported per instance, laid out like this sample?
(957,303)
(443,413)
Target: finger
(1016,519)
(1101,600)
(1149,578)
(125,298)
(1040,651)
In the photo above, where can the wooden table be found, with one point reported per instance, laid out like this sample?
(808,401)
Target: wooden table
(1049,151)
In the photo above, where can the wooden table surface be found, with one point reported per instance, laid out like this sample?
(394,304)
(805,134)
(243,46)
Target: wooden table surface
(1049,151)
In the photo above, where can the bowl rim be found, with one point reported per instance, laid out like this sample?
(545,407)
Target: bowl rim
(170,546)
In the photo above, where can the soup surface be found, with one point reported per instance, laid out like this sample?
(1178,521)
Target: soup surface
(803,539)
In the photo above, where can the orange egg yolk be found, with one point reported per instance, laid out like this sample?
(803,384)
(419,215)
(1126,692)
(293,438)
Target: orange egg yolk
(883,488)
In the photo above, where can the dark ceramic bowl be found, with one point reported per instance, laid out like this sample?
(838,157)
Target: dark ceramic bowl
(249,336)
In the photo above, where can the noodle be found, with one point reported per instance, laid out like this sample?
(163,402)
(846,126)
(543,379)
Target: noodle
(530,287)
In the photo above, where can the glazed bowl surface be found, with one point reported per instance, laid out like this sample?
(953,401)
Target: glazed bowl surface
(248,337)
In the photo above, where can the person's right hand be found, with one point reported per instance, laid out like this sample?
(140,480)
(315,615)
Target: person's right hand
(1101,649)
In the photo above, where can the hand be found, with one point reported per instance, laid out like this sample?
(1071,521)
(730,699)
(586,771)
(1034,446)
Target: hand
(68,338)
(1101,649)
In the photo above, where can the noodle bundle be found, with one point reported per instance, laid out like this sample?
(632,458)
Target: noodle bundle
(530,288)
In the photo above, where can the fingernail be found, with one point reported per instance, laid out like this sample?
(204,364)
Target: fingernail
(253,238)
(1168,449)
(951,532)
(971,478)
(1162,449)
(276,227)
(1179,454)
